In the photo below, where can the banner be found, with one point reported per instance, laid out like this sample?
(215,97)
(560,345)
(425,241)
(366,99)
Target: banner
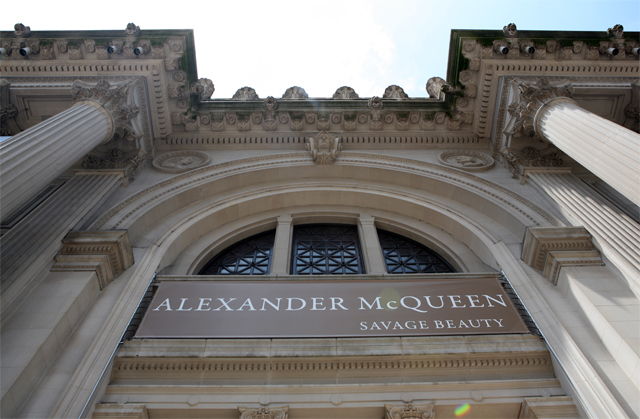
(329,308)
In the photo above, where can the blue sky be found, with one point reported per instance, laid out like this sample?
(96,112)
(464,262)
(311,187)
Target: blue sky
(320,46)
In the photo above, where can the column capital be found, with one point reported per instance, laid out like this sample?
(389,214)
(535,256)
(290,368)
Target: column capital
(531,100)
(113,100)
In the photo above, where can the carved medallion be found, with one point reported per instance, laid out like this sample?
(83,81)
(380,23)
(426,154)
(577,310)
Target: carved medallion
(469,161)
(180,161)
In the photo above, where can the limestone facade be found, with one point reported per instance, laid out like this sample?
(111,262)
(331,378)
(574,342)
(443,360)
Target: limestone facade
(521,166)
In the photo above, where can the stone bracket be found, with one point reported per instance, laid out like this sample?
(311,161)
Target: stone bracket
(112,244)
(548,407)
(548,249)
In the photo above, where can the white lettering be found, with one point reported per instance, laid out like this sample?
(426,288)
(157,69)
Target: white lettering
(289,308)
(363,325)
(473,302)
(182,305)
(450,324)
(406,324)
(248,304)
(265,301)
(224,304)
(412,308)
(335,303)
(386,326)
(423,324)
(163,303)
(499,322)
(439,324)
(397,326)
(318,303)
(364,302)
(454,303)
(428,298)
(392,308)
(375,325)
(202,304)
(471,323)
(462,323)
(501,302)
(486,321)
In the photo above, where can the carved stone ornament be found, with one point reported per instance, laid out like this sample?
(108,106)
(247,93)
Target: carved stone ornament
(409,411)
(394,92)
(180,76)
(245,93)
(132,162)
(324,148)
(171,64)
(531,99)
(375,103)
(271,103)
(113,100)
(469,161)
(510,31)
(295,92)
(281,412)
(434,87)
(132,30)
(203,88)
(21,31)
(528,157)
(180,161)
(616,32)
(7,112)
(345,92)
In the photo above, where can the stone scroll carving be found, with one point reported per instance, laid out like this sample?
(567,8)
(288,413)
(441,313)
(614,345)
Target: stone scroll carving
(532,98)
(281,412)
(324,148)
(114,100)
(409,410)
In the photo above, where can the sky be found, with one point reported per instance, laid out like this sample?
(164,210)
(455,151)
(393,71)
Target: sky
(323,45)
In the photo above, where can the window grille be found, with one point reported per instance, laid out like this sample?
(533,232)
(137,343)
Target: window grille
(326,249)
(251,256)
(405,256)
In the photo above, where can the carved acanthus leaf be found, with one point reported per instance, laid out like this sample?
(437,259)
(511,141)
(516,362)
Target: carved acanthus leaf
(394,92)
(409,411)
(324,148)
(115,158)
(532,98)
(245,93)
(113,100)
(345,92)
(528,157)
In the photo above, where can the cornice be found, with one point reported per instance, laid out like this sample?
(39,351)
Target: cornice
(154,193)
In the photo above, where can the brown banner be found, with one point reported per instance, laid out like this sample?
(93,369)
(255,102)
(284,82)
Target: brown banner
(329,308)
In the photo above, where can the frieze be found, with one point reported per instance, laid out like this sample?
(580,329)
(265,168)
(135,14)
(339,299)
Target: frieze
(452,175)
(180,161)
(264,412)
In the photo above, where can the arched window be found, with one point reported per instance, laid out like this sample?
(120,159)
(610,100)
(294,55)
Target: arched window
(326,249)
(405,256)
(251,256)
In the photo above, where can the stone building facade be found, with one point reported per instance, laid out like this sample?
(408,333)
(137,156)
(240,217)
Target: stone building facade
(123,177)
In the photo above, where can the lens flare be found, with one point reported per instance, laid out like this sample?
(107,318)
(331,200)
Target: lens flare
(462,410)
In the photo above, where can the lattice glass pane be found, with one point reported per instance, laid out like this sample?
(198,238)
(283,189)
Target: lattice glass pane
(405,256)
(326,249)
(251,256)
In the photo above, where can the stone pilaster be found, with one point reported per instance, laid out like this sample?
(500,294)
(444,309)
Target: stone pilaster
(32,244)
(607,149)
(32,159)
(616,234)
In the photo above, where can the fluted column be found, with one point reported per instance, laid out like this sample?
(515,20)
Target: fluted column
(30,245)
(32,159)
(615,232)
(605,148)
